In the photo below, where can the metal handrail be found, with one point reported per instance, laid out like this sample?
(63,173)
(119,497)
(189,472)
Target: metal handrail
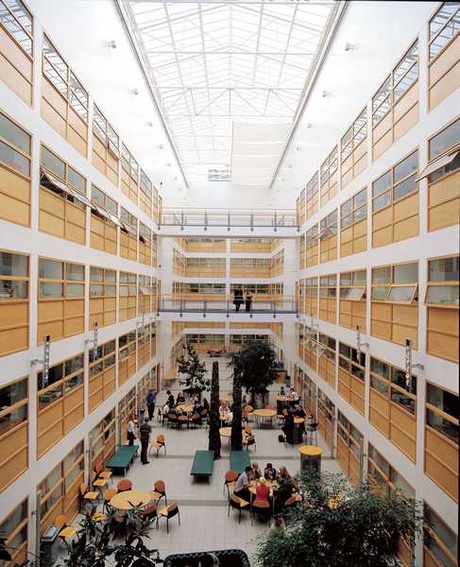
(226,217)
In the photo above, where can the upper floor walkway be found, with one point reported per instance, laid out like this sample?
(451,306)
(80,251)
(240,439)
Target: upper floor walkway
(259,310)
(234,223)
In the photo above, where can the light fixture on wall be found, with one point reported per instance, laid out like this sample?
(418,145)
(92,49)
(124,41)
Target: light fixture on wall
(349,46)
(309,125)
(112,43)
(149,124)
(135,92)
(324,94)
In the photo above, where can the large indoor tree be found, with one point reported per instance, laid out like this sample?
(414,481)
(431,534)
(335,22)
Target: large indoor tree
(236,440)
(254,364)
(189,363)
(340,526)
(214,419)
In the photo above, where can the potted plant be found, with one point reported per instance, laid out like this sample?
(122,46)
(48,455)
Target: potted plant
(254,365)
(189,363)
(341,526)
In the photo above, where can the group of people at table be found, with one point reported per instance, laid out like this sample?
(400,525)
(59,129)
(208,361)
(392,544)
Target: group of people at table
(272,486)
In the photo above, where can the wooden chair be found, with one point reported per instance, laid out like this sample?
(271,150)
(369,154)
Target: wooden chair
(239,504)
(159,491)
(87,496)
(229,480)
(195,419)
(261,508)
(150,513)
(65,531)
(108,495)
(98,483)
(248,440)
(158,444)
(248,413)
(172,420)
(102,472)
(124,484)
(168,513)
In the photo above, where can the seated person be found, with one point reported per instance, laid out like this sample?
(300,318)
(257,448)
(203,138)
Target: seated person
(223,408)
(294,398)
(310,422)
(165,409)
(262,491)
(242,485)
(284,476)
(270,472)
(299,412)
(282,391)
(229,418)
(256,473)
(285,487)
(197,406)
(170,400)
(180,399)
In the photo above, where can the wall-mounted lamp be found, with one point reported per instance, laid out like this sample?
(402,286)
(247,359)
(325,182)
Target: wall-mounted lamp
(349,46)
(112,43)
(149,124)
(324,94)
(309,125)
(135,92)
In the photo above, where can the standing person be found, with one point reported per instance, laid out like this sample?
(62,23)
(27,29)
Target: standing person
(151,401)
(248,300)
(288,427)
(238,298)
(130,431)
(144,432)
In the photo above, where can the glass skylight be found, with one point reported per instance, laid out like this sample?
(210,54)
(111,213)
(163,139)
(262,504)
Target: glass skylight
(220,62)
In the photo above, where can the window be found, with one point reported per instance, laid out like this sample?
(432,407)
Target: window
(13,405)
(104,131)
(354,135)
(443,27)
(14,272)
(14,529)
(443,282)
(351,362)
(329,166)
(353,285)
(354,210)
(14,146)
(62,379)
(103,200)
(396,85)
(59,177)
(64,80)
(396,183)
(15,18)
(58,280)
(328,226)
(397,284)
(128,162)
(446,139)
(129,222)
(146,185)
(393,383)
(439,540)
(312,195)
(442,411)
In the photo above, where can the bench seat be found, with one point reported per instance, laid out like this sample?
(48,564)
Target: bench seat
(203,464)
(239,460)
(122,458)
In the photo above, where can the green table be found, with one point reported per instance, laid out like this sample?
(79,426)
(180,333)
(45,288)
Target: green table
(122,458)
(203,464)
(239,460)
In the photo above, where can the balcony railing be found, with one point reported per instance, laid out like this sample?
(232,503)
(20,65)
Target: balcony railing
(284,304)
(230,218)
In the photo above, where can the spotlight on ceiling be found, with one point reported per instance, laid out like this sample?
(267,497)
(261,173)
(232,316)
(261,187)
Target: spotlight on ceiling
(135,92)
(169,164)
(324,94)
(298,148)
(149,124)
(349,46)
(112,43)
(309,125)
(161,147)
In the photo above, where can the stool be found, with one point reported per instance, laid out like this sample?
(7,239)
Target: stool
(311,435)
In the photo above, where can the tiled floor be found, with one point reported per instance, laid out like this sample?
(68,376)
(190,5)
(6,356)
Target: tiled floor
(203,505)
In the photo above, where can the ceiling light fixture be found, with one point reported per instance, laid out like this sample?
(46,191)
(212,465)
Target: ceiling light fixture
(112,43)
(324,94)
(298,148)
(149,124)
(349,46)
(309,125)
(161,147)
(135,92)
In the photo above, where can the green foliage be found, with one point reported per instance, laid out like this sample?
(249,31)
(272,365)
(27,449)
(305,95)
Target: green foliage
(96,542)
(214,420)
(189,363)
(342,526)
(254,364)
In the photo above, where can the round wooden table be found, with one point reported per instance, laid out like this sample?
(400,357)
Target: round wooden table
(128,499)
(225,431)
(310,457)
(265,414)
(187,408)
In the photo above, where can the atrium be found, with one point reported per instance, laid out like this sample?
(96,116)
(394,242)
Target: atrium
(157,156)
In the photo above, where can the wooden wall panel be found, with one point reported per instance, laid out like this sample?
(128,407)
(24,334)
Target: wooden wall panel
(14,452)
(441,461)
(443,333)
(444,74)
(444,202)
(14,197)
